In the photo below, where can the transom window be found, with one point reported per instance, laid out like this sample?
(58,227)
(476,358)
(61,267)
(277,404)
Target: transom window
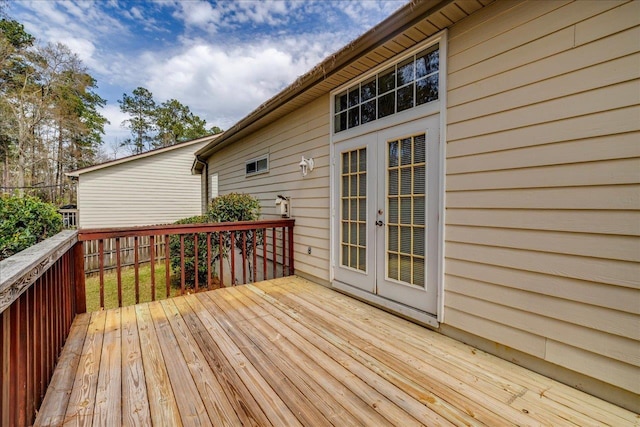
(404,85)
(256,166)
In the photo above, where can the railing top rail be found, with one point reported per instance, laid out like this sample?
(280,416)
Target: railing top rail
(21,270)
(154,230)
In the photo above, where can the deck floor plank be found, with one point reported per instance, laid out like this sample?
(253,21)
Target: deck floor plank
(135,401)
(83,395)
(325,378)
(398,365)
(290,352)
(375,394)
(190,405)
(162,402)
(55,404)
(407,394)
(315,405)
(273,406)
(466,360)
(301,359)
(202,328)
(210,390)
(107,410)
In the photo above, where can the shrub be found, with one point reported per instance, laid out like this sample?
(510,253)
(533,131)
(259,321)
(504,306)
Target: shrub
(227,208)
(25,222)
(234,207)
(189,253)
(237,207)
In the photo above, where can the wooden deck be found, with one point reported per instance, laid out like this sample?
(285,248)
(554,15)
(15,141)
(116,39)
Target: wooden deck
(288,352)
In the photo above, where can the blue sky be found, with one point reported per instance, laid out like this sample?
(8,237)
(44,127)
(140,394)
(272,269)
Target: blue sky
(222,59)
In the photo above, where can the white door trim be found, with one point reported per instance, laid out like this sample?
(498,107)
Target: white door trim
(441,108)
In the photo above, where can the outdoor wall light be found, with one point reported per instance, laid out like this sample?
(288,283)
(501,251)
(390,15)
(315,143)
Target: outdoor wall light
(306,166)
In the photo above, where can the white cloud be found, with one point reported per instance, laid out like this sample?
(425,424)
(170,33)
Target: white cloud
(224,85)
(208,64)
(114,130)
(200,14)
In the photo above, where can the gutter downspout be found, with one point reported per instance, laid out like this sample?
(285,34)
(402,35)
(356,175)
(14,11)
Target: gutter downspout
(205,165)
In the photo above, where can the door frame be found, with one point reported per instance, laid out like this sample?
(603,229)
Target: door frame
(416,113)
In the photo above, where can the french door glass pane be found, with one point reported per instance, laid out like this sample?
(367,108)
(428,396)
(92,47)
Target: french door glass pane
(353,210)
(406,193)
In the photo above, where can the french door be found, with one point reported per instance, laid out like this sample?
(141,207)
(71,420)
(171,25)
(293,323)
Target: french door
(386,200)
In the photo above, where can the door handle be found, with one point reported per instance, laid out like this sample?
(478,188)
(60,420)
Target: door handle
(379,223)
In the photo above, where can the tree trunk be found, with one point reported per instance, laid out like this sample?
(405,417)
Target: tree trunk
(58,180)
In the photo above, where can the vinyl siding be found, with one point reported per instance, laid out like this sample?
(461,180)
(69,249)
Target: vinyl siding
(157,189)
(303,132)
(542,220)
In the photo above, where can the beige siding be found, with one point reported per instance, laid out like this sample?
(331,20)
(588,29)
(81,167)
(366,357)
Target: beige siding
(156,189)
(542,234)
(303,132)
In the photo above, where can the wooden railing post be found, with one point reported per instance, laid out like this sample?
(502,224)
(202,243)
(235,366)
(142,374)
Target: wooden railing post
(291,270)
(78,270)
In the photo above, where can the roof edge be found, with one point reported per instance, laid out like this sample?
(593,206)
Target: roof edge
(76,173)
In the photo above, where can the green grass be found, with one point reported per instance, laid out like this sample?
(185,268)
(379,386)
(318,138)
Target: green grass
(128,287)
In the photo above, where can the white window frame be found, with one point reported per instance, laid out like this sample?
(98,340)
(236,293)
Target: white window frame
(256,160)
(214,177)
(402,116)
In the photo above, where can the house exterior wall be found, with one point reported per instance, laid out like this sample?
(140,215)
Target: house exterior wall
(541,192)
(303,132)
(157,189)
(543,167)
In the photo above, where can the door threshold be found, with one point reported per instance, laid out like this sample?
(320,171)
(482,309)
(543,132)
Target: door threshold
(402,310)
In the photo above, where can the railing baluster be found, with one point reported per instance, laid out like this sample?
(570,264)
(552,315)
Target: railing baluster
(101,267)
(4,368)
(21,390)
(244,257)
(208,260)
(167,269)
(182,272)
(264,254)
(255,255)
(56,303)
(195,260)
(40,340)
(152,262)
(284,250)
(28,361)
(119,271)
(220,251)
(136,272)
(233,258)
(275,251)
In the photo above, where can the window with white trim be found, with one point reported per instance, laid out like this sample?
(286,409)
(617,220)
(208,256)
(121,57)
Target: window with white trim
(406,84)
(257,166)
(213,186)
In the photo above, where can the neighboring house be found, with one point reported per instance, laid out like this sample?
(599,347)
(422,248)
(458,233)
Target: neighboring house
(476,168)
(155,187)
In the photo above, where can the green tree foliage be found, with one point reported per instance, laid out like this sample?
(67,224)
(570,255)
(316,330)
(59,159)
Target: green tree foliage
(176,123)
(49,118)
(154,125)
(226,208)
(25,222)
(141,108)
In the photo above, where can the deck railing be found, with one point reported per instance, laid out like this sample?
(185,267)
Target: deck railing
(43,288)
(226,254)
(40,294)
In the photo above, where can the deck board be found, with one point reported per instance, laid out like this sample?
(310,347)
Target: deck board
(289,352)
(135,401)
